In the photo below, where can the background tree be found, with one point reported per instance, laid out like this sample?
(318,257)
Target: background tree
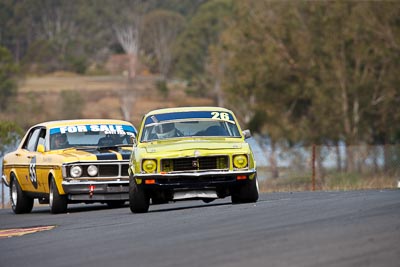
(128,31)
(49,27)
(8,75)
(184,7)
(10,134)
(215,69)
(162,28)
(311,72)
(297,72)
(202,31)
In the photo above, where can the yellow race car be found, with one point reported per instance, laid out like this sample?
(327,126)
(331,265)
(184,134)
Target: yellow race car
(191,153)
(70,161)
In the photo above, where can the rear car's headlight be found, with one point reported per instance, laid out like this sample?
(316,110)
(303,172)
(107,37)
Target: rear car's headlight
(75,171)
(240,161)
(92,170)
(149,165)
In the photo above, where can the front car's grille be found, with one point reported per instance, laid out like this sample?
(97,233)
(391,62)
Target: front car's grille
(105,170)
(195,164)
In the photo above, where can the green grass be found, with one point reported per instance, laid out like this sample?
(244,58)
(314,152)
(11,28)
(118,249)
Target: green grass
(332,181)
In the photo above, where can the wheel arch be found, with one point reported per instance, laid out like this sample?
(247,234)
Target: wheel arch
(52,175)
(13,175)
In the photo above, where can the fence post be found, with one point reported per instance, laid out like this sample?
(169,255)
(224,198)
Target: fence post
(2,193)
(313,167)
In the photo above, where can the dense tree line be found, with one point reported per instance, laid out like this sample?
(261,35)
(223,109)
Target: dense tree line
(295,71)
(317,72)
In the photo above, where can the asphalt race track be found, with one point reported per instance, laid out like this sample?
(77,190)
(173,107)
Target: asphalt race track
(357,228)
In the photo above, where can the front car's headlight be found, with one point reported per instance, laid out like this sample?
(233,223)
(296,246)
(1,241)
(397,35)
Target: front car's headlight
(240,161)
(149,165)
(92,170)
(75,171)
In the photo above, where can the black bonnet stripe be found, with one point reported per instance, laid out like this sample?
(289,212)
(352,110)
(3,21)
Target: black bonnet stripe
(106,156)
(126,155)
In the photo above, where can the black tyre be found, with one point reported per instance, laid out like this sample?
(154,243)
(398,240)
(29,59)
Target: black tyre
(58,203)
(156,200)
(20,202)
(139,201)
(115,204)
(246,193)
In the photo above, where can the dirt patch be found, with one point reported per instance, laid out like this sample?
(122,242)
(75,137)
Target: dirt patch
(103,96)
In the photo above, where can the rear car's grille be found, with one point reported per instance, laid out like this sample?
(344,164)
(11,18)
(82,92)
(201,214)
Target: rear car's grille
(195,164)
(124,170)
(109,170)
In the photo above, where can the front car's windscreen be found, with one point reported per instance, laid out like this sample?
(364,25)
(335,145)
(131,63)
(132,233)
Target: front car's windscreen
(100,135)
(189,124)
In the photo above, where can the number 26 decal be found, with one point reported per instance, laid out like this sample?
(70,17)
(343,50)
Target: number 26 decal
(220,116)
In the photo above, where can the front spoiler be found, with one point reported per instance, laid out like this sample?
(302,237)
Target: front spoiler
(206,179)
(193,174)
(4,178)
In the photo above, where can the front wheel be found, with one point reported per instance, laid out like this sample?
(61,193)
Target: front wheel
(20,202)
(246,193)
(58,203)
(139,201)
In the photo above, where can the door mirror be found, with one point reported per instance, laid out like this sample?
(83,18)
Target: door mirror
(133,140)
(247,134)
(40,148)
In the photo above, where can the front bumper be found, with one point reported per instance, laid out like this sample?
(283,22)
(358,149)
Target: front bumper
(4,178)
(96,191)
(194,180)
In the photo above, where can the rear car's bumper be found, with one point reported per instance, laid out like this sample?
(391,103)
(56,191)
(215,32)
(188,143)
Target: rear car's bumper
(96,191)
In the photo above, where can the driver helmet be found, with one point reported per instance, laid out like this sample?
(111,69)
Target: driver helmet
(60,140)
(165,130)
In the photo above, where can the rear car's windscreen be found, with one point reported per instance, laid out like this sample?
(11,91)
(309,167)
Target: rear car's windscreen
(90,135)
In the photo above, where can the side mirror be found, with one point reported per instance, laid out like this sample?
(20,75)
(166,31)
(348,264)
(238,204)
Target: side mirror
(40,148)
(247,134)
(133,140)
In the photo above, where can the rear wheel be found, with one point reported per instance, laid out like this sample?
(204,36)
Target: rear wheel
(246,193)
(58,203)
(20,202)
(139,201)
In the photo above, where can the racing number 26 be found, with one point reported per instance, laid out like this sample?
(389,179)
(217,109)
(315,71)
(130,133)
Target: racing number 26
(220,116)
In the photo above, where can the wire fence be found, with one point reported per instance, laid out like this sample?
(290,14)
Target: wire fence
(319,168)
(4,201)
(331,167)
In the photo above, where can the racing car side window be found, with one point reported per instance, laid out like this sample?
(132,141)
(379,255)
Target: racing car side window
(33,140)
